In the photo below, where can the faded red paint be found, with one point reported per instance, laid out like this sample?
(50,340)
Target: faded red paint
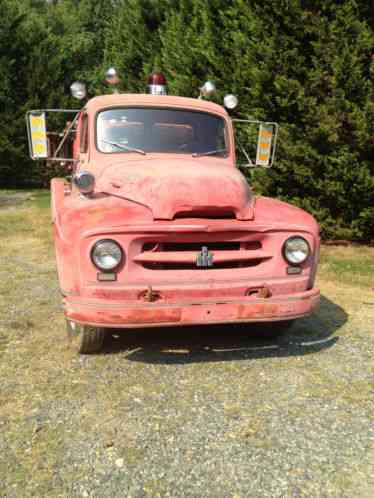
(138,201)
(245,310)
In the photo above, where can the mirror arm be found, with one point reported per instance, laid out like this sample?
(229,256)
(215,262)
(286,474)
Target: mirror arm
(247,166)
(63,159)
(250,163)
(66,135)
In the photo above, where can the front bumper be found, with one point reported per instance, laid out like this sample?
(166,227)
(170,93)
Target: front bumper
(116,314)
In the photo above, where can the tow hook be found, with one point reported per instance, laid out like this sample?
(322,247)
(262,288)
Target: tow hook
(261,292)
(150,295)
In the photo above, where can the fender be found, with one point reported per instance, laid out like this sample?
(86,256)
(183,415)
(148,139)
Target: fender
(58,186)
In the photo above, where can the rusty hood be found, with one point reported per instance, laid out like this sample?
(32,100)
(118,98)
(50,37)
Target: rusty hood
(171,188)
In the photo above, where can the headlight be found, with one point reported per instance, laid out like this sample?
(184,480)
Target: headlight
(296,250)
(106,255)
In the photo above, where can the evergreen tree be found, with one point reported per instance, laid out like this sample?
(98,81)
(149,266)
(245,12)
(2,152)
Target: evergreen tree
(132,40)
(190,45)
(307,64)
(325,106)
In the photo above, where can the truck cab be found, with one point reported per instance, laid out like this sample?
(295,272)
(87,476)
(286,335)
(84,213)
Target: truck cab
(158,226)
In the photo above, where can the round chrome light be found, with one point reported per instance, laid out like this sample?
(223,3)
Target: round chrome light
(111,73)
(85,181)
(230,101)
(296,250)
(208,89)
(78,90)
(106,255)
(111,77)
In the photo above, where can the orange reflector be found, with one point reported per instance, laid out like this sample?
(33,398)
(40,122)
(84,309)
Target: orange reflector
(265,136)
(38,136)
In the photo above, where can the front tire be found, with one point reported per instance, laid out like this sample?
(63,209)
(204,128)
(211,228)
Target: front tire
(85,339)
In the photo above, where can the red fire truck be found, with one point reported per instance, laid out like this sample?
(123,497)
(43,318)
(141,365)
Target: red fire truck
(158,226)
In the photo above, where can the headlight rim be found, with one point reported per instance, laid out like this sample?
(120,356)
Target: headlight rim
(85,190)
(292,263)
(107,270)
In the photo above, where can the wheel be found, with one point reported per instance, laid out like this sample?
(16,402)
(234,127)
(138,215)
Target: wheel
(85,339)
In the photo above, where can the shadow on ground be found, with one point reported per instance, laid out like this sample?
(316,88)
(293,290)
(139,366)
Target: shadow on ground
(178,345)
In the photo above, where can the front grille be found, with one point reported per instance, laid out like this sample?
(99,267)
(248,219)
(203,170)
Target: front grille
(187,255)
(190,246)
(194,266)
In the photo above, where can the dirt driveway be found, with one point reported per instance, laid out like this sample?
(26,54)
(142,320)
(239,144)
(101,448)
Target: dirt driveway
(204,412)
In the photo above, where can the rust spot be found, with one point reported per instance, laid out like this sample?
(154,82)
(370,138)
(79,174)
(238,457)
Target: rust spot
(272,309)
(116,318)
(258,310)
(154,316)
(264,293)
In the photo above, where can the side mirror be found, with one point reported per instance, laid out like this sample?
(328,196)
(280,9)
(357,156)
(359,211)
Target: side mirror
(264,153)
(37,135)
(43,144)
(265,149)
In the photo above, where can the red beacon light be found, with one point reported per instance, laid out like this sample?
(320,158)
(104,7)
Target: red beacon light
(157,84)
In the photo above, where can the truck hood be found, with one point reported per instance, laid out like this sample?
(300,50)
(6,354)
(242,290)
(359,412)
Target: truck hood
(185,188)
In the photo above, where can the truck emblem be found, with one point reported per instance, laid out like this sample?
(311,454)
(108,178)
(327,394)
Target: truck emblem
(204,258)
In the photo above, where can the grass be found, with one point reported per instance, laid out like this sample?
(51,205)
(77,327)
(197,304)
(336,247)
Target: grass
(352,265)
(65,420)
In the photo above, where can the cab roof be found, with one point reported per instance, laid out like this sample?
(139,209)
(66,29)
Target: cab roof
(135,99)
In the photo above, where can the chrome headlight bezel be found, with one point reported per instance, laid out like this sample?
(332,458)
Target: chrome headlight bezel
(117,248)
(286,250)
(85,182)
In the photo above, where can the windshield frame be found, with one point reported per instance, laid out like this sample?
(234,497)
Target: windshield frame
(228,144)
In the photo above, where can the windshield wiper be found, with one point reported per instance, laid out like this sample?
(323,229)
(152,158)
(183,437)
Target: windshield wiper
(124,147)
(208,153)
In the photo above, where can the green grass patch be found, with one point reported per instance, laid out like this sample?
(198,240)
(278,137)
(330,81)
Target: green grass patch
(352,265)
(41,199)
(24,213)
(13,223)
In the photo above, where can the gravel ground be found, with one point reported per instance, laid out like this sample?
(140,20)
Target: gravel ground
(196,412)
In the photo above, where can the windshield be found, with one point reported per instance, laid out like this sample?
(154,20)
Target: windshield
(142,130)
